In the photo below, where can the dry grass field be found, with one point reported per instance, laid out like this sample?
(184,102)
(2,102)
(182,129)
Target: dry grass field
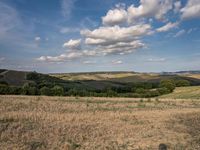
(74,123)
(190,92)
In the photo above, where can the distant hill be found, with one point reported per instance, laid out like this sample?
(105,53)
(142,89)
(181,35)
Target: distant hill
(93,80)
(12,77)
(127,77)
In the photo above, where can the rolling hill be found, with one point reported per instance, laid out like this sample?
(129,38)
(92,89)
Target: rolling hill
(93,80)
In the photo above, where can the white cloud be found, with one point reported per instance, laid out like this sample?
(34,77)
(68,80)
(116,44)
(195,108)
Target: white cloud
(61,58)
(150,8)
(115,39)
(191,10)
(179,33)
(167,27)
(116,62)
(111,35)
(67,6)
(177,6)
(89,62)
(157,60)
(115,16)
(69,30)
(73,44)
(37,39)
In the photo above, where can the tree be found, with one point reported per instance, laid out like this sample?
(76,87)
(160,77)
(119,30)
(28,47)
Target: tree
(45,91)
(169,84)
(29,89)
(57,90)
(163,90)
(180,83)
(140,91)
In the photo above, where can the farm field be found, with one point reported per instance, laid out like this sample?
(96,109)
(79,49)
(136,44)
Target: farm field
(75,123)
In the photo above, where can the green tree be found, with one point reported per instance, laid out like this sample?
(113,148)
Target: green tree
(169,84)
(57,90)
(29,89)
(180,83)
(45,91)
(163,90)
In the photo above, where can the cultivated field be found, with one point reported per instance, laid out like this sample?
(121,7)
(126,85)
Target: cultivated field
(98,123)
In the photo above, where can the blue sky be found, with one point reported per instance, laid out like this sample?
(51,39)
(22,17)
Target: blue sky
(100,35)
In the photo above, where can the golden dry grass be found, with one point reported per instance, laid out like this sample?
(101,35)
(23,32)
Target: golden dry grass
(191,92)
(97,123)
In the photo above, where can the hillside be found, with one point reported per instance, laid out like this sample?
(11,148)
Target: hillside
(127,77)
(95,79)
(184,93)
(12,77)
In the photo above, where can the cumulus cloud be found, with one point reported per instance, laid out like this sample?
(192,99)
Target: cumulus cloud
(122,29)
(150,8)
(167,27)
(111,35)
(115,16)
(191,10)
(72,44)
(179,33)
(147,9)
(115,39)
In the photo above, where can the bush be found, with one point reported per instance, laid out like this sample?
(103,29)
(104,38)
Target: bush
(57,91)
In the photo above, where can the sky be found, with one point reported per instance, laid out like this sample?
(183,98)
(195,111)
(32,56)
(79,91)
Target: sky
(52,36)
